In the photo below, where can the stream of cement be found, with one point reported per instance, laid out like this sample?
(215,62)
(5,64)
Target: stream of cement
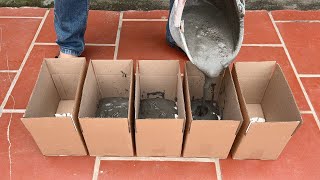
(157,108)
(113,107)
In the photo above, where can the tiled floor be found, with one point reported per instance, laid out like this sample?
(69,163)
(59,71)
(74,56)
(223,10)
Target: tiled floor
(27,36)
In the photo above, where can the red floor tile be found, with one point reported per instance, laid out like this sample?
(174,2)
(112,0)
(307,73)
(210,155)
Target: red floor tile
(16,37)
(29,163)
(284,15)
(101,29)
(29,74)
(26,12)
(312,86)
(156,170)
(276,54)
(258,29)
(299,160)
(5,84)
(146,40)
(4,156)
(303,42)
(157,14)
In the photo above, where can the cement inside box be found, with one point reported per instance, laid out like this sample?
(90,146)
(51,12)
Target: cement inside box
(113,107)
(158,108)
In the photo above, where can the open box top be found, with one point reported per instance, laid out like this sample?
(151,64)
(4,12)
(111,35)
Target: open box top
(57,90)
(107,136)
(159,76)
(58,86)
(264,92)
(159,137)
(106,78)
(211,138)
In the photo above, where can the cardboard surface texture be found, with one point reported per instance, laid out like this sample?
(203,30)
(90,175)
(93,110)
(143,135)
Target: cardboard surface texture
(159,137)
(107,136)
(57,90)
(264,92)
(210,138)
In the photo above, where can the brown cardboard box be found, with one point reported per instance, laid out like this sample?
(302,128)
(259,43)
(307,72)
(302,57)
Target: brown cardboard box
(159,137)
(210,138)
(264,92)
(107,136)
(57,91)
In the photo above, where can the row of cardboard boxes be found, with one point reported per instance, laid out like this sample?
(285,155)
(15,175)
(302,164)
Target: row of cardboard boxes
(73,88)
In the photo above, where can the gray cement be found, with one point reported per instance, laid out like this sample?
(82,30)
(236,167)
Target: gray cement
(208,34)
(205,110)
(157,108)
(113,107)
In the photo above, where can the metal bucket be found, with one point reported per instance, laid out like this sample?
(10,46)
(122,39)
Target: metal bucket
(210,32)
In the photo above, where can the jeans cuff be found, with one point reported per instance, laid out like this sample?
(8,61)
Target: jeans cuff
(69,51)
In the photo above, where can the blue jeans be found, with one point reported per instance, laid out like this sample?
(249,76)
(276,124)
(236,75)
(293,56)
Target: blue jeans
(70,21)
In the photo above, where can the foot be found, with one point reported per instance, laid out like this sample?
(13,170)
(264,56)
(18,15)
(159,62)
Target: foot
(63,55)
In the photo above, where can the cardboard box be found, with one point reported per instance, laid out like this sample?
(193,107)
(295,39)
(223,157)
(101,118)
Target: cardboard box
(57,91)
(210,138)
(107,136)
(264,92)
(159,137)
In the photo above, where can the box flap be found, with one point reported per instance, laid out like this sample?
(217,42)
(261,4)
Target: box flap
(265,140)
(107,136)
(111,67)
(209,138)
(65,66)
(278,103)
(253,78)
(55,136)
(45,98)
(90,95)
(159,137)
(228,99)
(158,67)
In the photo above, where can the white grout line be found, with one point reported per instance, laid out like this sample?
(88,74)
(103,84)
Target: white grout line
(87,44)
(21,111)
(148,20)
(96,168)
(168,159)
(306,112)
(309,75)
(19,17)
(295,71)
(299,21)
(8,71)
(115,55)
(22,64)
(218,169)
(263,45)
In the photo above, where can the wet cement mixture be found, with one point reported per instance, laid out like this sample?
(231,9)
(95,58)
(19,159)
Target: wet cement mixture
(205,110)
(158,108)
(208,34)
(113,107)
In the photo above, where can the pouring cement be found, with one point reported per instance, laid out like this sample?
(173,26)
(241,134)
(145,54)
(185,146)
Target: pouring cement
(113,107)
(158,108)
(210,32)
(208,36)
(205,110)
